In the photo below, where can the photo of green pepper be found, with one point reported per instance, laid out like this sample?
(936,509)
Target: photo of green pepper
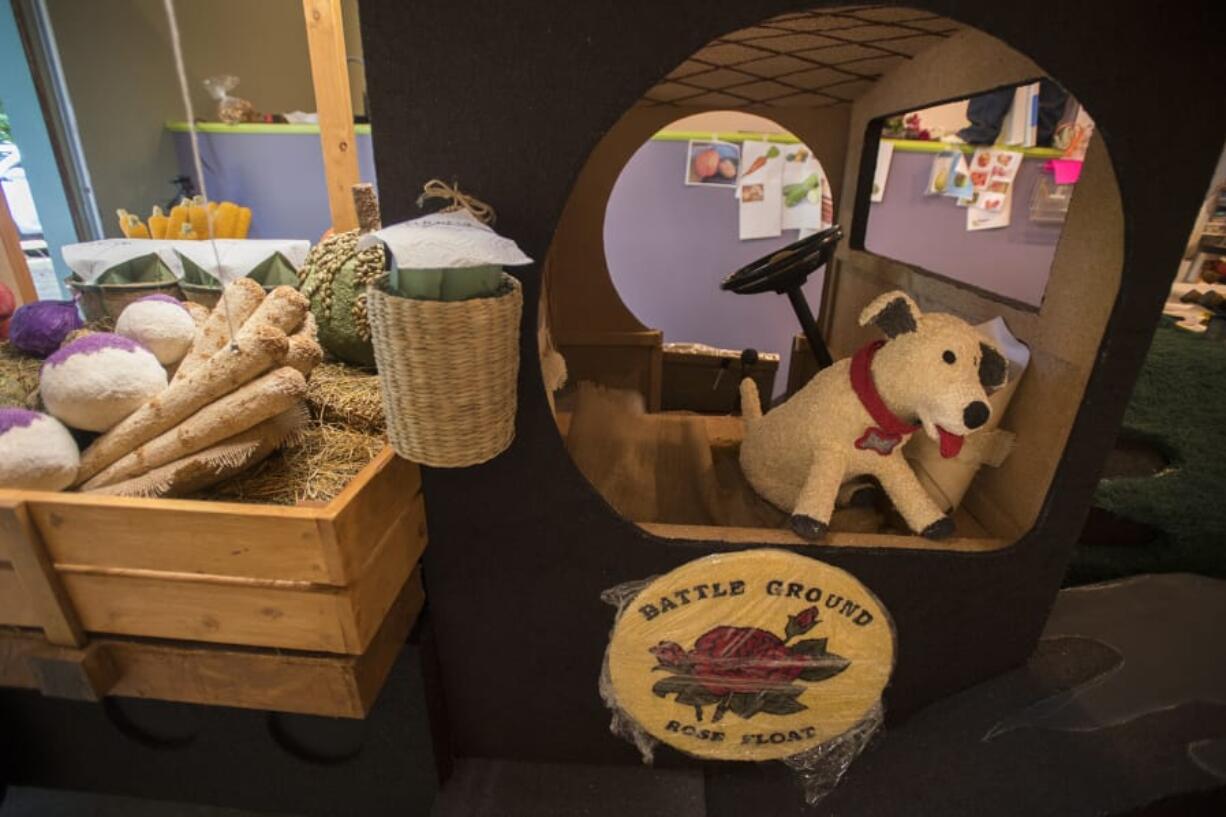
(794,194)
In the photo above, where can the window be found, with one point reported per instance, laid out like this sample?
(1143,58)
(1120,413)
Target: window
(975,190)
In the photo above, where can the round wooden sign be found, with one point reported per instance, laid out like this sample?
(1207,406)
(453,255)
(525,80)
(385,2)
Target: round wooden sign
(755,655)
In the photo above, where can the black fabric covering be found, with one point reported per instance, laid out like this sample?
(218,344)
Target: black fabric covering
(235,758)
(509,99)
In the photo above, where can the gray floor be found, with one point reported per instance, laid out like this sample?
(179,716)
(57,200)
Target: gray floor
(28,802)
(495,788)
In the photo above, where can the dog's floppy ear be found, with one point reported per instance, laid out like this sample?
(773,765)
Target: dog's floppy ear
(893,313)
(993,368)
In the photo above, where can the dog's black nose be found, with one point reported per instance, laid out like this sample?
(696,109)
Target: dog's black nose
(976,414)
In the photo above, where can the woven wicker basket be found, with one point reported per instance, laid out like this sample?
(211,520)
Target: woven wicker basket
(447,372)
(99,301)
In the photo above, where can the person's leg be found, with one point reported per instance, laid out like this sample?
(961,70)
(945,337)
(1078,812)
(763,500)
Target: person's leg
(1052,101)
(986,113)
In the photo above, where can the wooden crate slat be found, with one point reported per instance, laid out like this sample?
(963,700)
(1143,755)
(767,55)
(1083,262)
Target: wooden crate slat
(371,670)
(227,539)
(15,608)
(43,591)
(394,559)
(364,508)
(246,614)
(311,684)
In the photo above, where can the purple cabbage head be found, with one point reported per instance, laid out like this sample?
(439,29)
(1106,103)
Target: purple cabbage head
(40,327)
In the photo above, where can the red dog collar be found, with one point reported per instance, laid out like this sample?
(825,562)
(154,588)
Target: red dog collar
(890,429)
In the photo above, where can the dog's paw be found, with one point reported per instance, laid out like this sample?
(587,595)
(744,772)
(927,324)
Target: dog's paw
(806,527)
(943,528)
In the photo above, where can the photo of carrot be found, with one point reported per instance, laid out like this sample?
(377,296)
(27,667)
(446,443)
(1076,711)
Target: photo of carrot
(761,161)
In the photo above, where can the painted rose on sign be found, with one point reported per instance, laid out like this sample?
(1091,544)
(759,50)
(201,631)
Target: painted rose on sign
(746,670)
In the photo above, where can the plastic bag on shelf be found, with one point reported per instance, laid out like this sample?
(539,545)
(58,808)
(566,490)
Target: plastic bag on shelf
(230,109)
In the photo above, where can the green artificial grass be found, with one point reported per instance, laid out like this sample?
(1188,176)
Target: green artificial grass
(1179,407)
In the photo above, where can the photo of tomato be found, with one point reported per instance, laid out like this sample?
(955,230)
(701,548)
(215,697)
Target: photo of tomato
(705,163)
(979,178)
(712,163)
(982,159)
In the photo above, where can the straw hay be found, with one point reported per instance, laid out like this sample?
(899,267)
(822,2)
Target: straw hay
(317,467)
(344,435)
(346,396)
(346,432)
(19,378)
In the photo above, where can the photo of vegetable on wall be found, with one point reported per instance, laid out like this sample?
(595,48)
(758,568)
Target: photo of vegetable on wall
(713,164)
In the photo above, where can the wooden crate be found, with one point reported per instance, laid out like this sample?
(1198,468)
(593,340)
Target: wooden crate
(323,581)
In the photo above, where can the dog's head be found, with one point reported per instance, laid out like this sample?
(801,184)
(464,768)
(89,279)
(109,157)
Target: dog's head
(935,368)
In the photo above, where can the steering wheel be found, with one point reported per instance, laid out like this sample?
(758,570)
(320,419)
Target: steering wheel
(785,272)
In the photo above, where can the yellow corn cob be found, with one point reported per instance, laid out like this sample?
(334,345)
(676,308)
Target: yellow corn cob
(157,223)
(225,219)
(199,217)
(178,217)
(244,222)
(131,225)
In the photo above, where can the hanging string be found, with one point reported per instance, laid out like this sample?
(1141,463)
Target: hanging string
(439,189)
(177,47)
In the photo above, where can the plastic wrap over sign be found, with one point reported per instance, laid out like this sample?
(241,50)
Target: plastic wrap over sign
(756,655)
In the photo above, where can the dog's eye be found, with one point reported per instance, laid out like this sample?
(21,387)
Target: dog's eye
(949,357)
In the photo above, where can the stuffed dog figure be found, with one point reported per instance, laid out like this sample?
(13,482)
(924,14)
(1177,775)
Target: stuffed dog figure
(853,418)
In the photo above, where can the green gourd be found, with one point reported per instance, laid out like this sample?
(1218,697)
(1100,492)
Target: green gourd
(334,278)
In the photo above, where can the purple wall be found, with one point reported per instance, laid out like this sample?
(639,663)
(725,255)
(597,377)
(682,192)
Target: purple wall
(930,232)
(668,246)
(279,176)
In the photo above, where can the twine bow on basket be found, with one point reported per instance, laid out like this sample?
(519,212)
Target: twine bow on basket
(439,189)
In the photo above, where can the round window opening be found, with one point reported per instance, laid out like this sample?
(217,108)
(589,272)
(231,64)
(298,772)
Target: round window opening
(856,132)
(703,197)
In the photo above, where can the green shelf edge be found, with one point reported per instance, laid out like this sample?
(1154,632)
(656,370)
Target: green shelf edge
(256,127)
(905,145)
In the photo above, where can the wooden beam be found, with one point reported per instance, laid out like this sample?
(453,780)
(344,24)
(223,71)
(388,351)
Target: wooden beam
(14,271)
(22,545)
(330,74)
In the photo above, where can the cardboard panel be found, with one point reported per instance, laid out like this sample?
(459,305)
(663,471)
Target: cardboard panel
(543,544)
(582,297)
(1064,334)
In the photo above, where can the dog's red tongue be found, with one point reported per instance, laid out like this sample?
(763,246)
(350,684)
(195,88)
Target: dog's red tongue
(951,444)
